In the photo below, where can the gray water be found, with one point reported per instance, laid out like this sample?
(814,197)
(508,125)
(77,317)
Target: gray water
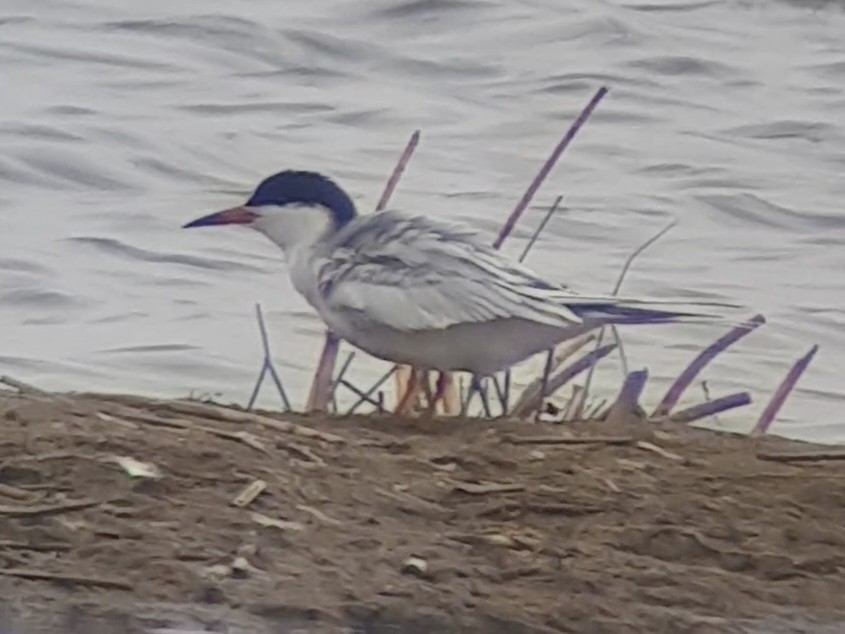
(118,124)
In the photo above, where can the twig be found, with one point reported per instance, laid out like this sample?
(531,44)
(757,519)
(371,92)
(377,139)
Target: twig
(413,504)
(573,405)
(629,397)
(393,181)
(782,392)
(166,423)
(528,399)
(267,365)
(108,418)
(574,409)
(597,407)
(510,223)
(187,425)
(623,357)
(803,456)
(570,440)
(238,436)
(340,374)
(285,525)
(24,388)
(319,515)
(249,493)
(296,429)
(303,453)
(224,414)
(685,379)
(540,228)
(544,385)
(711,408)
(616,288)
(366,395)
(45,457)
(47,509)
(584,363)
(42,575)
(363,396)
(642,444)
(13,492)
(485,489)
(529,194)
(553,508)
(637,253)
(45,547)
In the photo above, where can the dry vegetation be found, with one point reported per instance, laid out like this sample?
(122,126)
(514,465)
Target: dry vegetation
(377,524)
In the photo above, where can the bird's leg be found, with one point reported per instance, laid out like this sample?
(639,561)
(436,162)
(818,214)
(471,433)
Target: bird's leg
(439,394)
(426,389)
(451,395)
(412,390)
(442,386)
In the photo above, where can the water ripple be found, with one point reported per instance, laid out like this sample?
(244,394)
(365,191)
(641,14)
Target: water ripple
(808,130)
(40,298)
(126,251)
(436,9)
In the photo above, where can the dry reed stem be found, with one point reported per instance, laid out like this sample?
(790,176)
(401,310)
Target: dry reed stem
(41,510)
(569,440)
(579,408)
(528,399)
(771,410)
(685,378)
(249,493)
(20,386)
(472,488)
(80,580)
(629,398)
(267,366)
(546,169)
(319,515)
(216,412)
(647,446)
(709,408)
(802,456)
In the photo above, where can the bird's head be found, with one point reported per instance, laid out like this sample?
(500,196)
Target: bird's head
(290,208)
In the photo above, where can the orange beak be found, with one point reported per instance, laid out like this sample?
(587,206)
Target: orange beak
(233,216)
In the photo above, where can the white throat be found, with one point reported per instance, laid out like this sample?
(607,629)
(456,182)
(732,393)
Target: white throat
(294,226)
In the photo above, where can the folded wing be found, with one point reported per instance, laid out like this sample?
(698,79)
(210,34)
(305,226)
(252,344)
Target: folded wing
(411,273)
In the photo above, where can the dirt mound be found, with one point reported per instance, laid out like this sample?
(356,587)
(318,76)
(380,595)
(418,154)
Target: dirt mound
(257,523)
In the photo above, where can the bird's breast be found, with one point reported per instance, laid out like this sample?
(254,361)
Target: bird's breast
(303,276)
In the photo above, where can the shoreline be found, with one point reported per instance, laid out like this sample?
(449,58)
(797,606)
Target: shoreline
(125,513)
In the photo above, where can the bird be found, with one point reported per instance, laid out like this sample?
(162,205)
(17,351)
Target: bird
(420,291)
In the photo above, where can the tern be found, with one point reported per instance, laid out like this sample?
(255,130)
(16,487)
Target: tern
(418,291)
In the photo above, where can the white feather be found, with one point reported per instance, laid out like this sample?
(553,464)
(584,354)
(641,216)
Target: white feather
(413,290)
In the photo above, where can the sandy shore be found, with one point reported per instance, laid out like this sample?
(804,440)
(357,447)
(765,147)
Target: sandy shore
(265,523)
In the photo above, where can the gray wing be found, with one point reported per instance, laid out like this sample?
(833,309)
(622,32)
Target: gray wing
(413,273)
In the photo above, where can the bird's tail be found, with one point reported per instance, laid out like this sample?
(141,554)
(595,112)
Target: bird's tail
(610,310)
